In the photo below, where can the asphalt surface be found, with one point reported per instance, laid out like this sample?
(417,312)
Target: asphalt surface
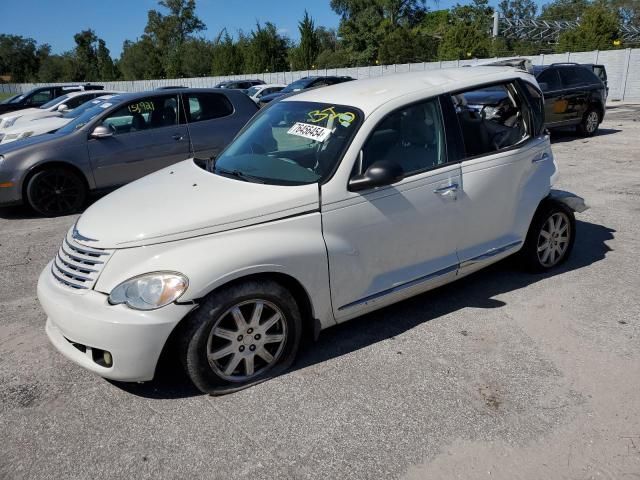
(501,375)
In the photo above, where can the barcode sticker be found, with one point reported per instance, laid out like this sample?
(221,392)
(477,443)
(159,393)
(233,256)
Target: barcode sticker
(312,132)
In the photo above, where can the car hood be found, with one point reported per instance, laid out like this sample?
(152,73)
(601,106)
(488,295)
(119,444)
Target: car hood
(19,113)
(37,140)
(37,127)
(184,201)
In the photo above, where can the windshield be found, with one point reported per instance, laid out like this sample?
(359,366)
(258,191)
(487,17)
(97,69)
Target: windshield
(11,98)
(291,143)
(17,99)
(54,102)
(297,85)
(85,117)
(76,112)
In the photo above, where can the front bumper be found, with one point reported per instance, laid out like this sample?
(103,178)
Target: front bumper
(134,338)
(10,193)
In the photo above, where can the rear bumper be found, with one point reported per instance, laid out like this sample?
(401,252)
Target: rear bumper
(134,339)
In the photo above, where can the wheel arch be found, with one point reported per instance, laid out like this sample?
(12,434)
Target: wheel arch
(31,171)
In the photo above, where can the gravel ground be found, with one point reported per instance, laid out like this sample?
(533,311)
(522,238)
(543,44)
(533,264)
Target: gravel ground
(501,375)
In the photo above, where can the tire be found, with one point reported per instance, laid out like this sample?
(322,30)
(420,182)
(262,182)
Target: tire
(221,354)
(56,191)
(535,257)
(590,123)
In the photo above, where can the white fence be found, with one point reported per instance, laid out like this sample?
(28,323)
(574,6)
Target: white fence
(623,70)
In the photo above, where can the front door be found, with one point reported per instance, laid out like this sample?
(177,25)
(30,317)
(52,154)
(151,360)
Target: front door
(146,137)
(388,243)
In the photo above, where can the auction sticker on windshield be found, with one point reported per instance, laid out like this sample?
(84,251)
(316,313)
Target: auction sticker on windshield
(312,132)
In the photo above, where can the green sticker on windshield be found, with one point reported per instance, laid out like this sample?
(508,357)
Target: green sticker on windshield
(344,118)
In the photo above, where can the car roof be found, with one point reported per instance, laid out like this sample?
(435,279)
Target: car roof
(174,91)
(369,94)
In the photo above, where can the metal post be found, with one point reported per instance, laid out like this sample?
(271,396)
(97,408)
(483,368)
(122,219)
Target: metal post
(625,72)
(496,22)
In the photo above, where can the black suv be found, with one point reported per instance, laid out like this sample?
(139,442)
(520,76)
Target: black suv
(573,96)
(304,84)
(41,95)
(239,84)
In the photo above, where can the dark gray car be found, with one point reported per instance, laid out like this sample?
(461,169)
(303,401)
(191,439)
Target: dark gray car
(116,142)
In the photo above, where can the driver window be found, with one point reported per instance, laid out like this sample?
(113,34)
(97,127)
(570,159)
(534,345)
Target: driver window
(412,137)
(491,118)
(143,114)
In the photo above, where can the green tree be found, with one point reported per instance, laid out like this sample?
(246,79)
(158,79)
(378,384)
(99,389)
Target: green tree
(517,9)
(57,68)
(599,27)
(305,54)
(228,58)
(564,9)
(170,31)
(468,33)
(197,54)
(140,60)
(86,56)
(266,50)
(364,24)
(107,70)
(19,57)
(406,45)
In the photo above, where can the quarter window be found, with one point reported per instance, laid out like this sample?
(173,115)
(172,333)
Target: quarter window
(207,106)
(491,118)
(143,114)
(412,137)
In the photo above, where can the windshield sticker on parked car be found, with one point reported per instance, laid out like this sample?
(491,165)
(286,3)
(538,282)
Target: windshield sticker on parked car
(106,105)
(312,132)
(344,118)
(141,107)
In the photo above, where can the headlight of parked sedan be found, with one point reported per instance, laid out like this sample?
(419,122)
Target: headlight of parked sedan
(149,291)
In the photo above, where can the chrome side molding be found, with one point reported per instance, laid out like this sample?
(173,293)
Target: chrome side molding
(490,254)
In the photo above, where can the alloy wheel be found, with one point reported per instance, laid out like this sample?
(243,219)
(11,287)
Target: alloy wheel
(247,340)
(553,240)
(592,121)
(56,193)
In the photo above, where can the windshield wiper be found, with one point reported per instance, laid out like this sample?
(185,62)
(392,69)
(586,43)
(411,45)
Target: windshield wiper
(238,174)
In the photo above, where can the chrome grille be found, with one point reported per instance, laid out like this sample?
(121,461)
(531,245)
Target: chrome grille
(77,266)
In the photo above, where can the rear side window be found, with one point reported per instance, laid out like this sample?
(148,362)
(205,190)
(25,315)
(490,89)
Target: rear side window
(576,76)
(600,72)
(491,118)
(551,80)
(207,106)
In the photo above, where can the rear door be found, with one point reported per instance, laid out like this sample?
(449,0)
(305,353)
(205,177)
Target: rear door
(147,137)
(214,120)
(505,173)
(555,103)
(576,92)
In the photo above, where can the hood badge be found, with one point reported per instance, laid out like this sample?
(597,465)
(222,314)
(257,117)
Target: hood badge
(76,235)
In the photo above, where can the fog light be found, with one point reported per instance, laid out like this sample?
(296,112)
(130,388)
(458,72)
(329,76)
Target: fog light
(108,361)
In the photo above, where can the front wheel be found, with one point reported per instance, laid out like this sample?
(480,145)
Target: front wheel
(550,238)
(56,191)
(240,336)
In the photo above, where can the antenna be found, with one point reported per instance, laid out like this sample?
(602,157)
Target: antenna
(192,150)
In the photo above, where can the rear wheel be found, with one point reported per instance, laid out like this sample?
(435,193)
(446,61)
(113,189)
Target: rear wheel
(56,191)
(590,122)
(550,238)
(241,336)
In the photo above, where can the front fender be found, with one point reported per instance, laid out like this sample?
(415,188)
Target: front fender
(571,200)
(292,246)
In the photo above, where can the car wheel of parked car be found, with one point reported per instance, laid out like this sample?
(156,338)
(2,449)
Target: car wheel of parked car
(241,336)
(56,191)
(590,122)
(550,238)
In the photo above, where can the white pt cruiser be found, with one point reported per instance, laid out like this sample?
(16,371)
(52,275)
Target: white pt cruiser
(329,204)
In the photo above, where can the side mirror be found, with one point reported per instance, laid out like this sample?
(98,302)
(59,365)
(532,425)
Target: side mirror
(101,132)
(62,108)
(544,86)
(379,174)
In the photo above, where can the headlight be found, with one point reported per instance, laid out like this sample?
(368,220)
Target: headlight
(149,291)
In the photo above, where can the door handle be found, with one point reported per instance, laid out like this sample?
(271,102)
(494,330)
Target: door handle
(540,158)
(446,190)
(178,137)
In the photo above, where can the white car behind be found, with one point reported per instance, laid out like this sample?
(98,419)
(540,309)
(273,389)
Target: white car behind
(258,91)
(40,125)
(53,108)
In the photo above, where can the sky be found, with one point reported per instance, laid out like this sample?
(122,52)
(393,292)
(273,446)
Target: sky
(56,21)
